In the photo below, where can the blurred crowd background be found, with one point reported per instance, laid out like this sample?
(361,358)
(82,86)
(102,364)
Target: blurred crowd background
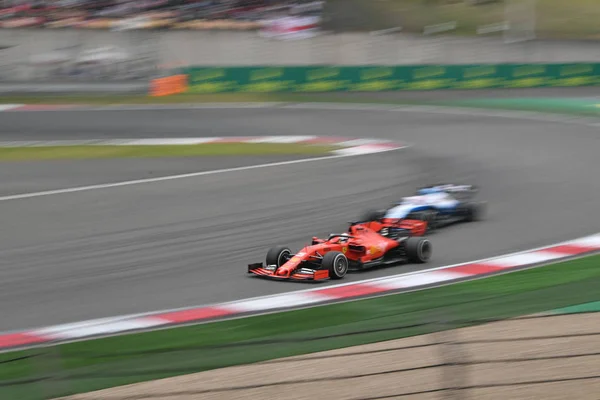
(129,40)
(147,13)
(75,46)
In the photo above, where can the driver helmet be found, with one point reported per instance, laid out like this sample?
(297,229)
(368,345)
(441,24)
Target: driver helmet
(344,237)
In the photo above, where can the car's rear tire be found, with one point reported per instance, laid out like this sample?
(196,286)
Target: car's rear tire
(474,211)
(336,263)
(371,215)
(278,255)
(418,249)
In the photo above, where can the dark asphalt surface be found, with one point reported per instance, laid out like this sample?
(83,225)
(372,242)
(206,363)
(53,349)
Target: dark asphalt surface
(183,242)
(35,176)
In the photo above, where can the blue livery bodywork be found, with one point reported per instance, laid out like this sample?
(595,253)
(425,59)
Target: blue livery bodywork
(441,202)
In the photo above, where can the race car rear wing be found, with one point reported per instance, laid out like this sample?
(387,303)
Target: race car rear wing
(469,190)
(450,187)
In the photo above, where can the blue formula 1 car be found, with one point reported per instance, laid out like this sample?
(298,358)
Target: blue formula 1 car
(438,205)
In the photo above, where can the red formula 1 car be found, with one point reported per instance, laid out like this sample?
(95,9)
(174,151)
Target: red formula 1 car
(360,248)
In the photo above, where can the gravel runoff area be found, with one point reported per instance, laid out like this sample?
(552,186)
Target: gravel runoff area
(380,360)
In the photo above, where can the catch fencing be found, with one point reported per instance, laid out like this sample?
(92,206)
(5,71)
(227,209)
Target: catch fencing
(539,356)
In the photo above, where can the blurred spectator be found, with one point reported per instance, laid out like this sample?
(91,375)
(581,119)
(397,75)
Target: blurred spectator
(40,12)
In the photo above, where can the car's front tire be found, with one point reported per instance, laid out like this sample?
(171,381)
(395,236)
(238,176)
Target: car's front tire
(278,255)
(429,216)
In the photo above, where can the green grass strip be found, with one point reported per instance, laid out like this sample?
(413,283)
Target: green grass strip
(154,151)
(102,363)
(578,308)
(572,106)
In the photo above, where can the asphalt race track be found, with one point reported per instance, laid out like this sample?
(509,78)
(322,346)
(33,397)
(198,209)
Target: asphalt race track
(184,242)
(35,176)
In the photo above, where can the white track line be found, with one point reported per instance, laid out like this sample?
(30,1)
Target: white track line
(181,176)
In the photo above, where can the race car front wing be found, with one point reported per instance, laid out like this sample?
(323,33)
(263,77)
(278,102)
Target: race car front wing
(301,274)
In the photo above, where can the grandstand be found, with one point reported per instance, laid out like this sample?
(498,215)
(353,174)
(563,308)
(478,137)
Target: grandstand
(555,19)
(126,40)
(150,14)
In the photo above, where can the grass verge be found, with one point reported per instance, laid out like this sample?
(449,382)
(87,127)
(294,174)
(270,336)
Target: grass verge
(572,106)
(92,365)
(578,308)
(153,151)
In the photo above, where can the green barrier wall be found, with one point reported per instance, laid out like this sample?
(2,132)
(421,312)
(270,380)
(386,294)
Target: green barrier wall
(384,78)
